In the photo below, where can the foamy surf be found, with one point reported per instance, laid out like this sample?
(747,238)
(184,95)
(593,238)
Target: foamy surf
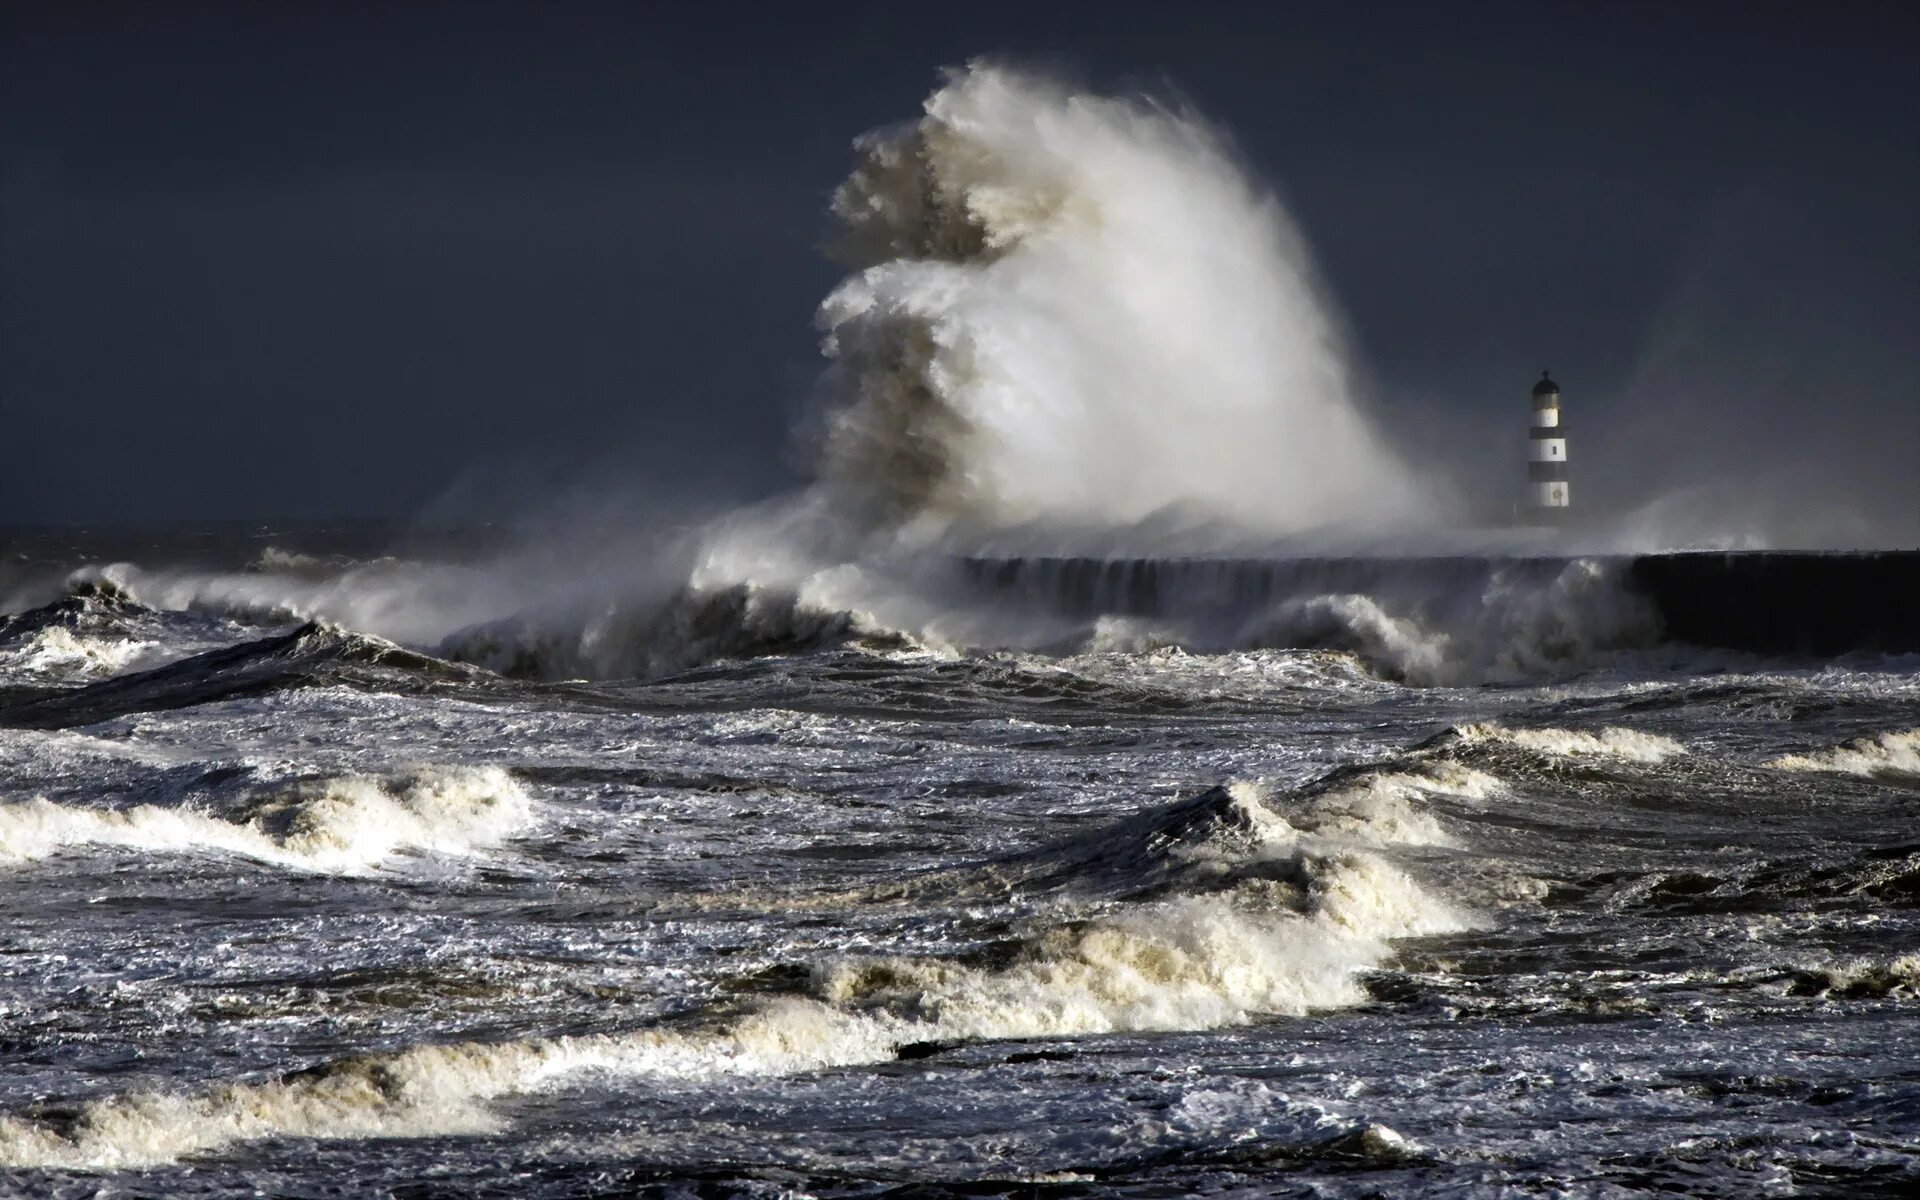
(345,825)
(1243,831)
(58,654)
(1888,755)
(1632,745)
(1894,977)
(1382,807)
(426,1091)
(1074,329)
(1265,947)
(1190,962)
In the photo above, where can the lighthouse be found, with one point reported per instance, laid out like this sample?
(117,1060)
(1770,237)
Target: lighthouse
(1547,453)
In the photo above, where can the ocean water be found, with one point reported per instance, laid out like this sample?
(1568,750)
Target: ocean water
(294,909)
(849,845)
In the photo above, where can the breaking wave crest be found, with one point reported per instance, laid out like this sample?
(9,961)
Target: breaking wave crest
(1889,755)
(1244,832)
(1632,745)
(1291,936)
(1859,978)
(344,825)
(1519,627)
(309,656)
(1496,624)
(426,1090)
(1418,621)
(691,627)
(58,653)
(1382,807)
(94,632)
(1188,962)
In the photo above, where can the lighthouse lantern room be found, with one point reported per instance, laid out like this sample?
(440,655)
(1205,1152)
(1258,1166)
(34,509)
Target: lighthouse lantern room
(1547,452)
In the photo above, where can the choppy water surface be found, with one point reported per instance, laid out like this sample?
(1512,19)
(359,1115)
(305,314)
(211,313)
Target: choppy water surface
(290,909)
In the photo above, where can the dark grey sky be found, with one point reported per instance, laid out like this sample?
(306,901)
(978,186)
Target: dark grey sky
(314,258)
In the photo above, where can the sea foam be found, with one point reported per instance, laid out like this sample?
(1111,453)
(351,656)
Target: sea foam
(59,654)
(1633,745)
(1892,754)
(344,825)
(1262,947)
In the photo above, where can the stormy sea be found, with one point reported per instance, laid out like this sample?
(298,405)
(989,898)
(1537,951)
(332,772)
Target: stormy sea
(984,818)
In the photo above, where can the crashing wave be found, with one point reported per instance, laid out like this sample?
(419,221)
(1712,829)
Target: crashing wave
(1382,807)
(1467,631)
(312,655)
(1515,624)
(1632,745)
(1427,622)
(1188,962)
(692,627)
(1887,755)
(87,605)
(87,634)
(340,826)
(426,1090)
(1859,978)
(1397,647)
(1261,947)
(57,654)
(1195,839)
(1076,308)
(1239,832)
(404,601)
(1423,622)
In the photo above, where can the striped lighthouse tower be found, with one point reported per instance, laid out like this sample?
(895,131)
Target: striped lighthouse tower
(1547,453)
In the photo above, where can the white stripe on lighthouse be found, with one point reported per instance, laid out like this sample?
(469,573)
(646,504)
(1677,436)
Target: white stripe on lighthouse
(1546,418)
(1547,450)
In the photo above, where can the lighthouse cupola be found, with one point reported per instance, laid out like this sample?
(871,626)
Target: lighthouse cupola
(1547,452)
